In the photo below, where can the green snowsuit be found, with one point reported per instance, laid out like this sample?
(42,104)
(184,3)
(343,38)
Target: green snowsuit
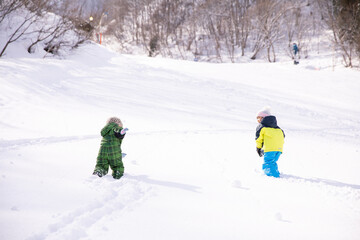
(110,152)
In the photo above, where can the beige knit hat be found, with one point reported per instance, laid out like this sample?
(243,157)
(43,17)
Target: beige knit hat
(115,120)
(264,112)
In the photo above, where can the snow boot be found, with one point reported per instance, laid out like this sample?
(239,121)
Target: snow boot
(117,174)
(99,172)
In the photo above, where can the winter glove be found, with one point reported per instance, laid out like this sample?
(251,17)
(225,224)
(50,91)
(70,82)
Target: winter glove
(260,152)
(121,134)
(123,131)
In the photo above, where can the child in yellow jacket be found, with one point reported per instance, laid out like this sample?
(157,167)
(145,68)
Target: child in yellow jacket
(269,141)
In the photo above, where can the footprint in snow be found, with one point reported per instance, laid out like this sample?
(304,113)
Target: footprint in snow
(118,195)
(279,217)
(238,184)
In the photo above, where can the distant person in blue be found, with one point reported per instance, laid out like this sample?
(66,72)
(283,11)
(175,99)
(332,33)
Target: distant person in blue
(296,55)
(269,141)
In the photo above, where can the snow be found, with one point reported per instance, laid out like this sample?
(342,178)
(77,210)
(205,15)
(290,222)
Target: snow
(191,169)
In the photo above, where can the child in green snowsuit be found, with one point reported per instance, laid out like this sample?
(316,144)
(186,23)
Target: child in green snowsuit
(110,149)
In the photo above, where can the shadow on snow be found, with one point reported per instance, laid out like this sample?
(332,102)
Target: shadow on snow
(146,179)
(321,181)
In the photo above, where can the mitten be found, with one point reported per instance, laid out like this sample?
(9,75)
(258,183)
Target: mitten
(260,152)
(123,131)
(121,134)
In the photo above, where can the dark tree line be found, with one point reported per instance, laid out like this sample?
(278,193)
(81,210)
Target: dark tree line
(206,28)
(209,29)
(221,29)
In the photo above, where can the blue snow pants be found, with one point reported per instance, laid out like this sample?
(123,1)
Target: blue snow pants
(270,166)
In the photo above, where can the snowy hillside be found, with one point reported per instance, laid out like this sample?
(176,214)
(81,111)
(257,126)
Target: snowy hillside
(191,169)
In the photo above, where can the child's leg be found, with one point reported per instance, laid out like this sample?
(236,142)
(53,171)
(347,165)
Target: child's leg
(101,169)
(270,166)
(118,169)
(102,166)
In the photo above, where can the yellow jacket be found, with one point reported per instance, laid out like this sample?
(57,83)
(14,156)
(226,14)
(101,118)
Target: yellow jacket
(269,136)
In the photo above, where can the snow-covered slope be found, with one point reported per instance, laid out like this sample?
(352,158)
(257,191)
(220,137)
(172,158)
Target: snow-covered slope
(191,167)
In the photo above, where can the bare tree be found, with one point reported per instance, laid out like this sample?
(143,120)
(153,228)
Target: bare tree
(298,25)
(237,26)
(19,31)
(50,33)
(216,30)
(8,6)
(343,18)
(114,18)
(40,25)
(268,19)
(244,26)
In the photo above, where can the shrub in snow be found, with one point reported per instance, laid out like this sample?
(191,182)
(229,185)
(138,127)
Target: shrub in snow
(37,29)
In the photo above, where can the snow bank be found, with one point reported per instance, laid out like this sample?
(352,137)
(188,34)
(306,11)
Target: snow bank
(191,167)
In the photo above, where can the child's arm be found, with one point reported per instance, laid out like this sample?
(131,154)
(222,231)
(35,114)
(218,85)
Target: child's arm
(123,131)
(260,138)
(260,142)
(121,134)
(260,152)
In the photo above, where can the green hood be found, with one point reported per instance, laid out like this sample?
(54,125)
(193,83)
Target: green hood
(107,129)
